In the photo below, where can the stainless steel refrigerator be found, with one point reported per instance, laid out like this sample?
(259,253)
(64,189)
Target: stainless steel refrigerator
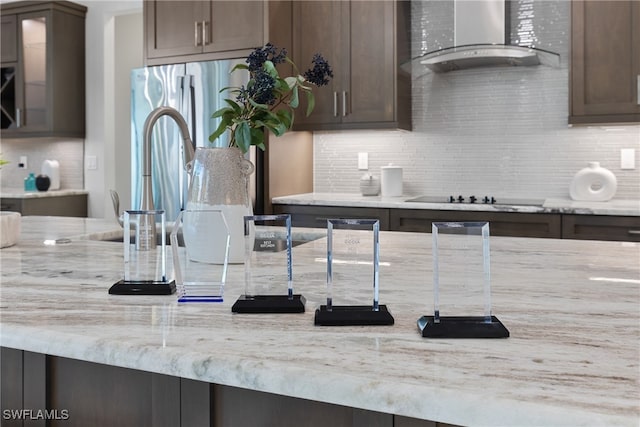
(194,90)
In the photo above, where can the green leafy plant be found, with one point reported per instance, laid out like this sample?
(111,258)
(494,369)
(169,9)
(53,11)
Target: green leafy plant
(268,101)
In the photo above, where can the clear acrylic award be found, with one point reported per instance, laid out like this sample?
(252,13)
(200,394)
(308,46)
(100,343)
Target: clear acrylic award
(353,275)
(268,274)
(144,255)
(201,276)
(461,283)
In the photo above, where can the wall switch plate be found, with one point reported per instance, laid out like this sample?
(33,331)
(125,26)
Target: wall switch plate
(363,161)
(92,163)
(627,158)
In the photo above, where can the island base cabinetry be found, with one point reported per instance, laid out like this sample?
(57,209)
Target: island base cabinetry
(44,390)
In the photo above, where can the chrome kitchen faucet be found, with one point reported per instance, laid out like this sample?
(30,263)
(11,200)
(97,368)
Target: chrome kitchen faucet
(146,204)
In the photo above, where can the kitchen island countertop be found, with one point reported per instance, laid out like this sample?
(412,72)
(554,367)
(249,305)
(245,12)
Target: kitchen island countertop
(572,308)
(621,207)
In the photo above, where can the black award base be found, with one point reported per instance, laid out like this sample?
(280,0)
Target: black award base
(269,304)
(352,315)
(462,327)
(143,287)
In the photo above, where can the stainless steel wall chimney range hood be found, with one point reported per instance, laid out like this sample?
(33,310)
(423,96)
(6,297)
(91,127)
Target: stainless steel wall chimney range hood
(480,30)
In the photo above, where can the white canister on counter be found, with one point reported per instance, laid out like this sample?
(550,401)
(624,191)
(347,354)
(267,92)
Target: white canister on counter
(593,184)
(391,181)
(369,185)
(51,168)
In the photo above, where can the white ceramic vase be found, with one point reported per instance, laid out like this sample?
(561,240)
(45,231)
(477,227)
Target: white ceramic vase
(220,181)
(593,184)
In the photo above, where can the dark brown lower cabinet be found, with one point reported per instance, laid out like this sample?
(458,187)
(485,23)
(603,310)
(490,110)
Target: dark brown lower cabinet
(316,216)
(67,392)
(513,224)
(601,227)
(500,223)
(72,205)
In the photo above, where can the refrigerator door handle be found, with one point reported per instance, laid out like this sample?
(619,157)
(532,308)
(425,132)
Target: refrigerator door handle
(188,106)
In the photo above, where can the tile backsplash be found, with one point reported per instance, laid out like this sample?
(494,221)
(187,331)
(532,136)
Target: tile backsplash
(497,131)
(69,153)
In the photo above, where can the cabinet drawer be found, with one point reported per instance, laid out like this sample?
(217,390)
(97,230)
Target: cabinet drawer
(13,205)
(316,216)
(74,205)
(595,227)
(500,223)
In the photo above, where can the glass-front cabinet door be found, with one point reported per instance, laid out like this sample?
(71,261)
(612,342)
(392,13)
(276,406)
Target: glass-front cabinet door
(42,77)
(33,99)
(23,88)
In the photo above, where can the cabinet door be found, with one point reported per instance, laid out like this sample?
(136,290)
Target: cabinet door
(234,25)
(9,41)
(43,91)
(363,41)
(33,78)
(370,88)
(605,63)
(175,27)
(317,28)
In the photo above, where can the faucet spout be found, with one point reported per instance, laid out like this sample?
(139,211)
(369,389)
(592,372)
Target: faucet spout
(189,153)
(146,235)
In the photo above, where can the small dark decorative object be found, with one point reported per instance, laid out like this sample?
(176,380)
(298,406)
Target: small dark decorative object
(43,182)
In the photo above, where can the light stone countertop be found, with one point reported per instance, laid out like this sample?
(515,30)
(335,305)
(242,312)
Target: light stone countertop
(572,308)
(19,193)
(567,206)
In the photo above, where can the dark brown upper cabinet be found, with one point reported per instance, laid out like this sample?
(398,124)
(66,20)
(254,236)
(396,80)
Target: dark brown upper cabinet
(9,40)
(42,92)
(605,62)
(365,43)
(185,31)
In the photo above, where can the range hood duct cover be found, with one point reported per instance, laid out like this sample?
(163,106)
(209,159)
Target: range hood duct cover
(480,30)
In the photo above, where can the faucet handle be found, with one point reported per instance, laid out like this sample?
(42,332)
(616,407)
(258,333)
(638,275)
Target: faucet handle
(115,198)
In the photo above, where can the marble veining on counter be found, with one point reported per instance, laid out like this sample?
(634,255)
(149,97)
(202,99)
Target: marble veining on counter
(612,207)
(19,193)
(571,308)
(567,206)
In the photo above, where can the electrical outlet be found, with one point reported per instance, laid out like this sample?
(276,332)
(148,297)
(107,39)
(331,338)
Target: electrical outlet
(92,163)
(22,164)
(627,158)
(363,161)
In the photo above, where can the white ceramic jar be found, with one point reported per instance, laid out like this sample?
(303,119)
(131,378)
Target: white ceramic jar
(391,181)
(369,185)
(593,184)
(51,168)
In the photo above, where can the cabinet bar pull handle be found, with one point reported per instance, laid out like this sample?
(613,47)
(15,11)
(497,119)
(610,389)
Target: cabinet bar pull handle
(205,28)
(335,104)
(634,232)
(638,89)
(344,102)
(196,34)
(18,117)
